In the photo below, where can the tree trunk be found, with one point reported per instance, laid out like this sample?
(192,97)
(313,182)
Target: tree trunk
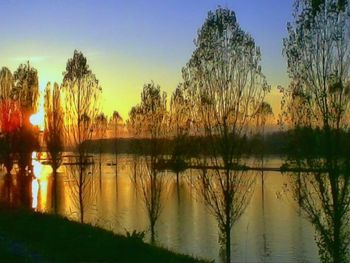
(116,164)
(177,186)
(228,243)
(25,183)
(7,187)
(81,201)
(263,190)
(116,152)
(8,164)
(100,170)
(153,232)
(338,242)
(54,186)
(177,179)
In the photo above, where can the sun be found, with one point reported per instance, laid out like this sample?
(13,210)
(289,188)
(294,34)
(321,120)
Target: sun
(38,118)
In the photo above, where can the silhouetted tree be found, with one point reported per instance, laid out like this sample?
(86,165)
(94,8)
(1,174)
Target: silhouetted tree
(263,116)
(26,89)
(10,118)
(149,121)
(54,132)
(316,106)
(82,91)
(7,136)
(26,92)
(227,84)
(179,123)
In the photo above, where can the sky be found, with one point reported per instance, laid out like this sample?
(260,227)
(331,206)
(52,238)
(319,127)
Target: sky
(129,43)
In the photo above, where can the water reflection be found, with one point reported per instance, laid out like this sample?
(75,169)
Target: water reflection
(81,175)
(324,199)
(39,194)
(269,231)
(40,181)
(7,189)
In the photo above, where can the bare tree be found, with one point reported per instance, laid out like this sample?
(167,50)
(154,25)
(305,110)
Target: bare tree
(149,121)
(82,91)
(179,123)
(316,107)
(54,131)
(225,79)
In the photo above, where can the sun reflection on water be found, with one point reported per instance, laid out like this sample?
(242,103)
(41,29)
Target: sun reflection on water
(39,184)
(35,192)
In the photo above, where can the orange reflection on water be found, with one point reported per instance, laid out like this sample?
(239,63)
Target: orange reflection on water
(40,185)
(35,192)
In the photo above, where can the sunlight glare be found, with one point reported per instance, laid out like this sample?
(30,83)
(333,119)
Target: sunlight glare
(35,191)
(37,169)
(38,118)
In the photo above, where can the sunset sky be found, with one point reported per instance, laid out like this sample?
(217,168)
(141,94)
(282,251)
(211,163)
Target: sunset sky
(129,43)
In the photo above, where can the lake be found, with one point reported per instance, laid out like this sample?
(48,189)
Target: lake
(270,230)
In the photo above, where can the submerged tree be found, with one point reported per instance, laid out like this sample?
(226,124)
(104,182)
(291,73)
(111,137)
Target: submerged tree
(316,106)
(82,91)
(263,117)
(225,79)
(10,119)
(26,92)
(149,121)
(179,123)
(54,132)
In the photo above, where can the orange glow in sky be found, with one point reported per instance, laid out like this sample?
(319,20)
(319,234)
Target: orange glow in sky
(132,43)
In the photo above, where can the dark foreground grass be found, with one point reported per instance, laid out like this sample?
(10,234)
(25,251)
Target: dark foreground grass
(35,237)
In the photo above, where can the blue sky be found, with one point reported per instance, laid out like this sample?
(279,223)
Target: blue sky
(128,43)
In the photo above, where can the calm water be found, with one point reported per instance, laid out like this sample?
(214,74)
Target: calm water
(271,230)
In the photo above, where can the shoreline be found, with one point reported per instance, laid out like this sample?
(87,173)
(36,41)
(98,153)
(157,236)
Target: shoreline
(27,236)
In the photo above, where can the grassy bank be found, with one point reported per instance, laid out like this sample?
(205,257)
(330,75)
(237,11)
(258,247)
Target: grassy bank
(35,237)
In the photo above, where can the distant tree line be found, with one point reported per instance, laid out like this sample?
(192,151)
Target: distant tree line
(274,143)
